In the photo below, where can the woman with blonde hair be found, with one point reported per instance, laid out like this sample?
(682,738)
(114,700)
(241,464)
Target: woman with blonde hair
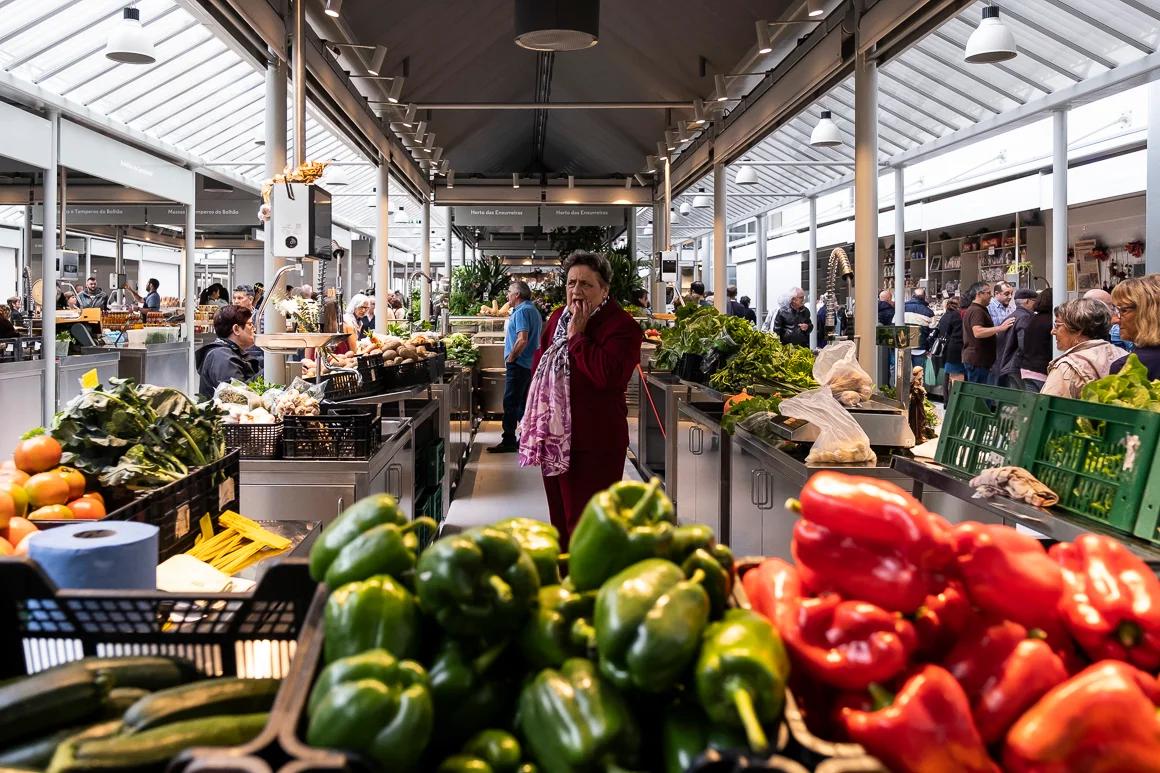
(1138,301)
(1080,329)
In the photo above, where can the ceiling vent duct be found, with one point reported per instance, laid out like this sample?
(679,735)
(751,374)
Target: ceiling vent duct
(557,25)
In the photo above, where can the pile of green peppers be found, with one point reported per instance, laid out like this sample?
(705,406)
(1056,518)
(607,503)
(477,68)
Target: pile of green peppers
(492,652)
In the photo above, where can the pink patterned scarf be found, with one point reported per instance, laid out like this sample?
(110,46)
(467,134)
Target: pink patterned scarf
(546,429)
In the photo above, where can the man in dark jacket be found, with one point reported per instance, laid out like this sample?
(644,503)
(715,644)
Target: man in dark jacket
(732,307)
(750,314)
(1009,357)
(886,307)
(794,321)
(225,358)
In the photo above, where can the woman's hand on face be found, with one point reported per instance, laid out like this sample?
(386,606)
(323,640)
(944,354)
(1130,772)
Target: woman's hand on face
(581,311)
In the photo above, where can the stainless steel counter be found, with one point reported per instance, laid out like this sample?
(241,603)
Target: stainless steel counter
(762,478)
(70,369)
(22,395)
(157,364)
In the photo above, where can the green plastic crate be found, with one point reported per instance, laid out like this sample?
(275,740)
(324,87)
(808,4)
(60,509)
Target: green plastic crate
(429,503)
(1102,461)
(431,464)
(985,426)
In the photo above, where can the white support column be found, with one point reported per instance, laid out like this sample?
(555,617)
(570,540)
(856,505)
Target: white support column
(1152,191)
(697,260)
(463,252)
(49,254)
(1059,210)
(275,130)
(382,246)
(191,291)
(447,234)
(425,265)
(812,294)
(866,210)
(899,245)
(720,238)
(761,299)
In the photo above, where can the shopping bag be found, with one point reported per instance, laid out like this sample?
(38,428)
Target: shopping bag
(840,439)
(837,367)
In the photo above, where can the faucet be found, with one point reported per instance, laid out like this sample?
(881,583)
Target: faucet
(274,290)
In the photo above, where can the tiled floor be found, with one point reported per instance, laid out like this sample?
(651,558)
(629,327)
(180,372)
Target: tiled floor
(495,487)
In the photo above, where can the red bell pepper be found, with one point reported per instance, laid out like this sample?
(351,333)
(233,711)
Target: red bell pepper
(1004,672)
(926,728)
(1102,720)
(846,644)
(941,619)
(830,562)
(1008,574)
(1111,601)
(878,512)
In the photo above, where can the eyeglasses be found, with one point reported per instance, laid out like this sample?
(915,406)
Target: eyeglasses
(1124,309)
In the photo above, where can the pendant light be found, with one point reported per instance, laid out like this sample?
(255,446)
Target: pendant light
(991,41)
(259,136)
(333,8)
(647,229)
(826,133)
(335,176)
(377,59)
(557,26)
(674,218)
(373,199)
(701,200)
(396,89)
(720,89)
(815,8)
(764,41)
(746,175)
(686,208)
(450,175)
(515,179)
(129,43)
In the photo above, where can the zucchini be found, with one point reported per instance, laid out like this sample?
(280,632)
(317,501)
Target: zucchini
(50,700)
(212,697)
(146,672)
(37,753)
(118,701)
(153,749)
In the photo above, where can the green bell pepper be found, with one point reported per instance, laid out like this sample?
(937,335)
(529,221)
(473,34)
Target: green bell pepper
(477,584)
(471,689)
(559,629)
(718,582)
(539,540)
(376,612)
(649,620)
(741,673)
(620,526)
(575,721)
(383,549)
(362,515)
(688,733)
(374,704)
(498,750)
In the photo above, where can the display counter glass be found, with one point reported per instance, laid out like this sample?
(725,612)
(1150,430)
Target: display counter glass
(165,365)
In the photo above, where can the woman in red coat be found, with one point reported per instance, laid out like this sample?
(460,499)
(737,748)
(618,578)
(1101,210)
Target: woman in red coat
(576,428)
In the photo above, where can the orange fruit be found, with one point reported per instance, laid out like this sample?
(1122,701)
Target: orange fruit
(95,495)
(51,513)
(6,548)
(18,494)
(75,480)
(18,529)
(47,488)
(7,509)
(19,477)
(87,508)
(37,453)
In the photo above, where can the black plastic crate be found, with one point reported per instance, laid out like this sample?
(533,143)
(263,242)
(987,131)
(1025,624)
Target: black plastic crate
(255,441)
(341,433)
(343,385)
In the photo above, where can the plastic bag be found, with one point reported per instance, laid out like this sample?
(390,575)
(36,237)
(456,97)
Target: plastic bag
(761,424)
(840,439)
(837,367)
(234,392)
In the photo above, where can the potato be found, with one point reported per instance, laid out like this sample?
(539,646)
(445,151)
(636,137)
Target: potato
(407,361)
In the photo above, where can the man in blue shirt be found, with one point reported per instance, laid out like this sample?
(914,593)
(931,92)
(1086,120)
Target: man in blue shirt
(521,339)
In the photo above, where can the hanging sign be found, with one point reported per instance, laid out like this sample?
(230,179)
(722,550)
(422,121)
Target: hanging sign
(25,136)
(92,153)
(578,215)
(240,212)
(492,215)
(95,214)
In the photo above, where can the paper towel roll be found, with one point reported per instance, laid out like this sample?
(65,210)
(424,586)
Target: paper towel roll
(102,555)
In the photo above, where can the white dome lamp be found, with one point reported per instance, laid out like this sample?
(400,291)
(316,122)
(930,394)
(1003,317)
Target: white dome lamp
(746,175)
(686,208)
(647,229)
(128,43)
(674,218)
(701,200)
(826,133)
(335,176)
(557,26)
(991,41)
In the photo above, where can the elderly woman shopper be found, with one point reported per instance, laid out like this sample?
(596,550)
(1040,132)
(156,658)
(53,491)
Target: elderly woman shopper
(1079,330)
(1139,303)
(575,427)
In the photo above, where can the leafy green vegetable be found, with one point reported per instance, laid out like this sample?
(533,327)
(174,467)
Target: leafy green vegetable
(261,386)
(138,436)
(1129,388)
(738,412)
(461,349)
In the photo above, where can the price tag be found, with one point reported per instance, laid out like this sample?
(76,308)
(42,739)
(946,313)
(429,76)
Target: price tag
(90,380)
(181,526)
(225,493)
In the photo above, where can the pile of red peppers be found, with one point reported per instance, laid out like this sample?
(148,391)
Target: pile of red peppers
(966,647)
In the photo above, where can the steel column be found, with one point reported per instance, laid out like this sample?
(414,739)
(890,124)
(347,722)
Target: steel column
(866,210)
(720,238)
(26,255)
(1152,189)
(899,244)
(191,291)
(425,265)
(812,295)
(49,253)
(298,55)
(275,160)
(762,266)
(382,246)
(1059,210)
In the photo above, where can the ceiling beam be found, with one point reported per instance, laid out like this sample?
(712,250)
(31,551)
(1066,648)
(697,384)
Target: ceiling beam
(549,106)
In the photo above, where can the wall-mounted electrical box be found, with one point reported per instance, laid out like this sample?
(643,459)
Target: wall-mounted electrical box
(301,218)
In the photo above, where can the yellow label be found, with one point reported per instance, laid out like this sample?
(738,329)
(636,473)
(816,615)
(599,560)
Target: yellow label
(90,379)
